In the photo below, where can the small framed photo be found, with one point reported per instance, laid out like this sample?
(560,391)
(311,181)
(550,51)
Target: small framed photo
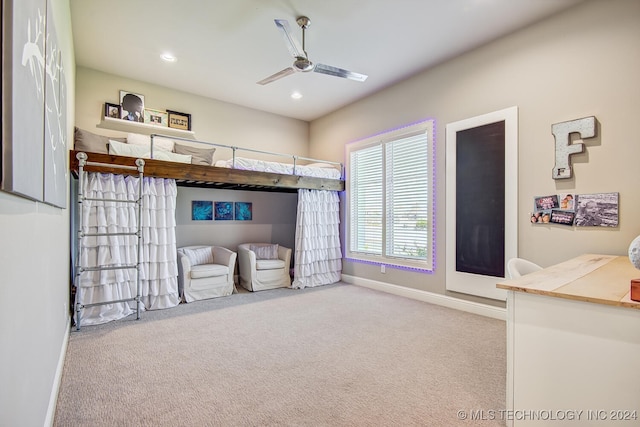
(179,120)
(546,202)
(131,106)
(111,110)
(156,117)
(562,217)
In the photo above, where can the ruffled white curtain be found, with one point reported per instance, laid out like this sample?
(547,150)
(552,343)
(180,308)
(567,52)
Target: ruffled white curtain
(158,273)
(318,257)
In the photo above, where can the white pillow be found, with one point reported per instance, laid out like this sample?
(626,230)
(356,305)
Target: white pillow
(199,256)
(265,251)
(120,149)
(172,157)
(159,142)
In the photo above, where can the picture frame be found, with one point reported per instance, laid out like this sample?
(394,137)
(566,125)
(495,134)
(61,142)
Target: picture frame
(541,216)
(597,210)
(243,211)
(567,201)
(178,120)
(131,106)
(23,116)
(542,203)
(156,117)
(112,110)
(224,211)
(562,217)
(201,210)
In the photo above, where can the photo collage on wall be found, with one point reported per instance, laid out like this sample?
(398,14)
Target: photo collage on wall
(581,210)
(204,210)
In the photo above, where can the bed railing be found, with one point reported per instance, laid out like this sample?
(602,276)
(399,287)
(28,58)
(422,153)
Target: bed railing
(233,149)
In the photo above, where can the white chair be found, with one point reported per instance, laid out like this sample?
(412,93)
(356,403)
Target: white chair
(264,266)
(517,267)
(205,272)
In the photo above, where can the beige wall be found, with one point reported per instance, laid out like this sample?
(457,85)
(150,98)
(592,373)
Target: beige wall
(212,121)
(584,62)
(34,285)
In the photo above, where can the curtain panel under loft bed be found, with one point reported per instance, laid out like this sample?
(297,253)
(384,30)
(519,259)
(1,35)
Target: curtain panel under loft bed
(158,271)
(318,255)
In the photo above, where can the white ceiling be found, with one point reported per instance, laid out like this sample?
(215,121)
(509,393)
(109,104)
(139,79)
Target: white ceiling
(225,46)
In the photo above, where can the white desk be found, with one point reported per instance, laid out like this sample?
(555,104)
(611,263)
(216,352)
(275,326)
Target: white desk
(573,344)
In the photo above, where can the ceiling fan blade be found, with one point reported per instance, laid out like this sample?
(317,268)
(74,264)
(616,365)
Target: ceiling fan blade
(276,76)
(339,72)
(291,41)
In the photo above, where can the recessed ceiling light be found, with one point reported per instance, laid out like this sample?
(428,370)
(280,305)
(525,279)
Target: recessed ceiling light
(168,57)
(296,95)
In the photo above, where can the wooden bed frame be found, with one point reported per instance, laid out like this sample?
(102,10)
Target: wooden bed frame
(189,175)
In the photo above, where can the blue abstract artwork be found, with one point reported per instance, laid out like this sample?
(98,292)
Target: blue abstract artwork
(244,211)
(224,211)
(201,210)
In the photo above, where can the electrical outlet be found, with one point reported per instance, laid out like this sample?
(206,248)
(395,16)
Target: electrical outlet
(383,269)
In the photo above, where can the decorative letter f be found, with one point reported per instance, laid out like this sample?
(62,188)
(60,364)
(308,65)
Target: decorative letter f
(585,127)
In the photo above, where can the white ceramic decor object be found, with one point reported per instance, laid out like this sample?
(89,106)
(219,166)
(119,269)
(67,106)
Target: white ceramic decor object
(634,252)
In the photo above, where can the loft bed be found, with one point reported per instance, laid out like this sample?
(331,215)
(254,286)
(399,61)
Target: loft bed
(238,173)
(113,157)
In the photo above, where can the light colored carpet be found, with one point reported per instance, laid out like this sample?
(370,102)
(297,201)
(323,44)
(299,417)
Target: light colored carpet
(337,355)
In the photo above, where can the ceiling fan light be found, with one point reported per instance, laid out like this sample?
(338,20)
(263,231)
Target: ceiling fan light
(303,64)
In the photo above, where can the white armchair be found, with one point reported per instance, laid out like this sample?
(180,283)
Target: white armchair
(205,272)
(264,266)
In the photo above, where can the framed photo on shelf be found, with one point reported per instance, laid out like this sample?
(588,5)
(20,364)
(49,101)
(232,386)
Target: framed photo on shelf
(131,106)
(179,120)
(111,110)
(156,117)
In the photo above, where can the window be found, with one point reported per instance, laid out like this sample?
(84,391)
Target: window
(389,193)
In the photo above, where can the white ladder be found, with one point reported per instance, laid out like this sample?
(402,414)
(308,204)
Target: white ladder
(79,268)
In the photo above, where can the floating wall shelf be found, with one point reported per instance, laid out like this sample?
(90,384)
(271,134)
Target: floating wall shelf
(143,128)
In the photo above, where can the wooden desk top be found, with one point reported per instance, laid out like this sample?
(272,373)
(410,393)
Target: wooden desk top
(601,279)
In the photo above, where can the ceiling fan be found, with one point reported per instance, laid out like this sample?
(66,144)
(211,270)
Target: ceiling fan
(301,60)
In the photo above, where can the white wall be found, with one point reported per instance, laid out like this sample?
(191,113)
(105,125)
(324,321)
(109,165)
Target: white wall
(34,286)
(583,62)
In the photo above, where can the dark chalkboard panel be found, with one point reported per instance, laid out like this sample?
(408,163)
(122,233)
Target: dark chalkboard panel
(480,200)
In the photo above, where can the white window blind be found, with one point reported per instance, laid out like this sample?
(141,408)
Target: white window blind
(367,200)
(389,193)
(407,197)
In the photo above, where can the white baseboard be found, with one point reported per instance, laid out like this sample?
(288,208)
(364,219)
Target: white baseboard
(443,300)
(53,399)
